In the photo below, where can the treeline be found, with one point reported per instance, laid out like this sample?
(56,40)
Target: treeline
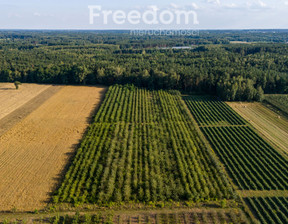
(123,38)
(231,71)
(239,89)
(278,101)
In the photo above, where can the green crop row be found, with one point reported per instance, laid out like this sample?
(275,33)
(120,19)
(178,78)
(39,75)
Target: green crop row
(269,209)
(210,111)
(142,147)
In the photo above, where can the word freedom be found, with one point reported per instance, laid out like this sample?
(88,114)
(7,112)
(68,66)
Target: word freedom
(149,17)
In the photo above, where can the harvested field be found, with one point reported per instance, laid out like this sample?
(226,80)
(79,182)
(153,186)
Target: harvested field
(12,99)
(267,122)
(21,112)
(35,151)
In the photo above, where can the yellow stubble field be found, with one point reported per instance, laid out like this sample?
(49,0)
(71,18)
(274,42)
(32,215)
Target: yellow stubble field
(35,151)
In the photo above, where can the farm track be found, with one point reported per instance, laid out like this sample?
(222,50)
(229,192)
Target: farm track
(34,152)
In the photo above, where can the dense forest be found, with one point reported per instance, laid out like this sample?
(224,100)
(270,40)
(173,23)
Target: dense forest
(215,62)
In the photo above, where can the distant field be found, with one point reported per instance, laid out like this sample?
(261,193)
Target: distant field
(279,101)
(267,122)
(35,151)
(241,42)
(142,147)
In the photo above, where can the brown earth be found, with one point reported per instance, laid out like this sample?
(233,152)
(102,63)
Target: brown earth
(34,153)
(271,125)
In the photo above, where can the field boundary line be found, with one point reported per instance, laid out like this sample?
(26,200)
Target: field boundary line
(229,125)
(270,193)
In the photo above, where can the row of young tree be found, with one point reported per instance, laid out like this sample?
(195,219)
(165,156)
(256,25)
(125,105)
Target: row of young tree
(141,147)
(247,170)
(210,111)
(234,72)
(269,209)
(252,164)
(209,216)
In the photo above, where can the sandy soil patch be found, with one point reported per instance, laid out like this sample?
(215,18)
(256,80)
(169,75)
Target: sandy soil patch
(35,151)
(267,122)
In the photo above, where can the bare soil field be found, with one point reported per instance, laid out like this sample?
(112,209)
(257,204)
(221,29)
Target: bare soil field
(34,153)
(266,121)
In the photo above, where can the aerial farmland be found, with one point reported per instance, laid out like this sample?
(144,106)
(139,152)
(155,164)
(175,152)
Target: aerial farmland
(100,127)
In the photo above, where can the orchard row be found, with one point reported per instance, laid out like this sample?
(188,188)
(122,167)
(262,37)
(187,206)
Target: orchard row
(210,111)
(142,147)
(269,209)
(250,161)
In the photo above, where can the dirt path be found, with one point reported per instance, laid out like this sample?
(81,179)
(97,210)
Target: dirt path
(267,122)
(11,99)
(35,151)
